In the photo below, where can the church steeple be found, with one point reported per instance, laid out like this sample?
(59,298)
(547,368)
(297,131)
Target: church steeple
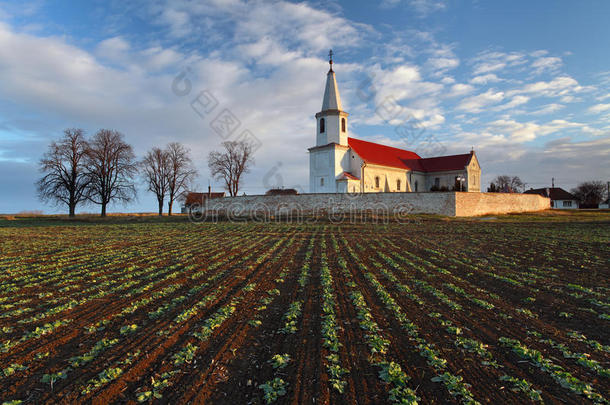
(332,100)
(332,120)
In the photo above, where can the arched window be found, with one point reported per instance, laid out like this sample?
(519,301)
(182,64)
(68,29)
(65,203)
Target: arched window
(322,125)
(398,185)
(322,181)
(376,181)
(342,124)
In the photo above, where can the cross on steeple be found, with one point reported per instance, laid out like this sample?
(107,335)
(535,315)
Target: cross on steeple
(330,59)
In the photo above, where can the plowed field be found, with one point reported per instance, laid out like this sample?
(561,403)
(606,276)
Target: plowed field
(236,313)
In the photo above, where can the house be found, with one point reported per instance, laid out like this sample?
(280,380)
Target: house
(195,200)
(560,199)
(341,164)
(604,204)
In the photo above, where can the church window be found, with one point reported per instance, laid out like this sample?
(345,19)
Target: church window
(342,124)
(322,129)
(376,181)
(398,184)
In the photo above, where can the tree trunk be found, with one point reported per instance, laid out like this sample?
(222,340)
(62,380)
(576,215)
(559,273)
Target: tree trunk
(170,203)
(103,209)
(71,204)
(160,207)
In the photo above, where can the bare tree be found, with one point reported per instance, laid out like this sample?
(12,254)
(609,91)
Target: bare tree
(111,168)
(506,184)
(155,170)
(590,193)
(181,171)
(231,164)
(65,180)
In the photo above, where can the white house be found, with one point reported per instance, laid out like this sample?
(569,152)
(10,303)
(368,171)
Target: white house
(339,163)
(560,199)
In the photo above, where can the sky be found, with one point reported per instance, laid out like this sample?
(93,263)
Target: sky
(526,84)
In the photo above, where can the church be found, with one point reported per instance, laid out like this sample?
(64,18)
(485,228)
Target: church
(341,164)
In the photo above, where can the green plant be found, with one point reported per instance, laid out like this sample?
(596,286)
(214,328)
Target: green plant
(523,386)
(280,360)
(51,378)
(274,389)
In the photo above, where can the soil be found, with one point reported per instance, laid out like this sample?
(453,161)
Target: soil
(544,279)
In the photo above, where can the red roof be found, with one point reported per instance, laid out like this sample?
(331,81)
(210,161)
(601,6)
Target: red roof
(282,191)
(198,198)
(378,154)
(446,163)
(349,176)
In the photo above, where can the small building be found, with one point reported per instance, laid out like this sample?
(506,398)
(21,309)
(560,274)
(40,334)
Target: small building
(604,205)
(195,200)
(560,199)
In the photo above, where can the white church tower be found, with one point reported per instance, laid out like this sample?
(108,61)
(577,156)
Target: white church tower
(329,158)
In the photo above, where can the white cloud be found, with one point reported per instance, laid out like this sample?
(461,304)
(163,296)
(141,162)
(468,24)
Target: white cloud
(514,102)
(488,62)
(539,53)
(421,7)
(604,97)
(428,6)
(547,64)
(484,79)
(300,24)
(63,86)
(443,64)
(536,165)
(475,104)
(487,67)
(389,3)
(460,89)
(557,87)
(528,131)
(548,109)
(113,49)
(598,108)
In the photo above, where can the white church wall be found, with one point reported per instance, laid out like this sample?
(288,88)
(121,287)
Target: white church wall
(445,179)
(417,181)
(321,137)
(388,178)
(341,160)
(355,163)
(332,130)
(321,171)
(474,175)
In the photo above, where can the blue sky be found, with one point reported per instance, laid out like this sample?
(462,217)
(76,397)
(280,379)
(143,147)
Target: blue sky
(527,84)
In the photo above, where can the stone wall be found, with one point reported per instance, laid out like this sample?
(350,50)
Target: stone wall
(472,204)
(396,205)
